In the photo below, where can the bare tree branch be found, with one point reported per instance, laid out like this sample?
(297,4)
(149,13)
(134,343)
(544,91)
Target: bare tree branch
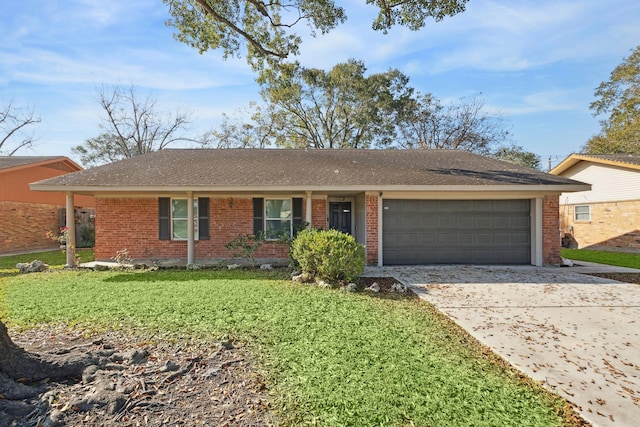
(13,122)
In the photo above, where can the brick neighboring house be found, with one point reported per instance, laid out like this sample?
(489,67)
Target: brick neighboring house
(25,215)
(405,206)
(608,215)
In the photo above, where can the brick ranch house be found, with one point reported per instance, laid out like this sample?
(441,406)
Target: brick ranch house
(25,215)
(608,215)
(405,206)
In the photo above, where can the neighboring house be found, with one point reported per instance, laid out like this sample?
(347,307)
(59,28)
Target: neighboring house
(607,216)
(25,215)
(405,206)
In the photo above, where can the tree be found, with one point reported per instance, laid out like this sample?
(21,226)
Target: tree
(132,127)
(266,29)
(14,123)
(18,368)
(341,108)
(619,97)
(236,133)
(458,126)
(517,154)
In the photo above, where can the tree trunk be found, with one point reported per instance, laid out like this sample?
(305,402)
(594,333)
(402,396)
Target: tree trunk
(19,369)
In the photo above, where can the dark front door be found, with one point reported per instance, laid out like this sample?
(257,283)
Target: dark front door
(340,216)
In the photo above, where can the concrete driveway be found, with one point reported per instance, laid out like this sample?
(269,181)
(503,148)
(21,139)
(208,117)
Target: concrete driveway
(577,334)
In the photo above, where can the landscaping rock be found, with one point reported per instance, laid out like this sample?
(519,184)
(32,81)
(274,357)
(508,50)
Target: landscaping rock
(302,278)
(266,267)
(373,288)
(233,266)
(351,287)
(399,287)
(35,266)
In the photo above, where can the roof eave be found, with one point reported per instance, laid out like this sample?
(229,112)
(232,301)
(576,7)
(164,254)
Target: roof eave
(574,159)
(94,190)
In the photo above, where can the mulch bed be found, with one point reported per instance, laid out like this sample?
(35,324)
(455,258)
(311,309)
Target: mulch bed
(620,277)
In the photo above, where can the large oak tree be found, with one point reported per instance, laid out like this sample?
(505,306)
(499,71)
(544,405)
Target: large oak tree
(619,99)
(268,29)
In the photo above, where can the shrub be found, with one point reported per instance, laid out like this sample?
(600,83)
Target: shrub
(328,255)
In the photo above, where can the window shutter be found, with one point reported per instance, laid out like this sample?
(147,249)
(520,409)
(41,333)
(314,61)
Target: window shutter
(297,214)
(258,215)
(203,218)
(164,218)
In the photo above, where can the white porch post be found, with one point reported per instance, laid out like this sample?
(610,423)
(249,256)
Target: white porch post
(308,209)
(71,231)
(191,247)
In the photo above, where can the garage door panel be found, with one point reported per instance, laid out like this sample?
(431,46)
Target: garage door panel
(456,231)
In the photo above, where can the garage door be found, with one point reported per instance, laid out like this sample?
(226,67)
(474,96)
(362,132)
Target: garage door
(456,232)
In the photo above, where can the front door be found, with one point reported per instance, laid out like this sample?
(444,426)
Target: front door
(340,216)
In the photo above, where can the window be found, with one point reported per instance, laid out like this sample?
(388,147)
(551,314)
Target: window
(582,213)
(277,218)
(172,218)
(179,223)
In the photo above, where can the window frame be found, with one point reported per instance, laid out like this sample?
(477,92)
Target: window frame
(196,219)
(266,219)
(576,213)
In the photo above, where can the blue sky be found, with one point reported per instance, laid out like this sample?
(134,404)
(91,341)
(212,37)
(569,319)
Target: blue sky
(535,62)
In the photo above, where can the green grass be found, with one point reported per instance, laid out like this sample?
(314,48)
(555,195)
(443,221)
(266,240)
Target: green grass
(53,258)
(622,259)
(330,358)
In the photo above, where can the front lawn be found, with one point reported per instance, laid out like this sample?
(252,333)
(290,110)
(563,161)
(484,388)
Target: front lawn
(55,259)
(622,259)
(330,358)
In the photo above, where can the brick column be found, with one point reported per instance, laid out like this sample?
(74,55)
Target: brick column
(551,231)
(371,208)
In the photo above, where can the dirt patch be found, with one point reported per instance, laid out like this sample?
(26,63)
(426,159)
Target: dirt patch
(389,287)
(144,381)
(620,277)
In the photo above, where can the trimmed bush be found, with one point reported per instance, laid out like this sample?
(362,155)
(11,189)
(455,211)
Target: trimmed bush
(329,255)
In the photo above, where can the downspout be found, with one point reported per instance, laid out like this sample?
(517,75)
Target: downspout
(71,231)
(191,246)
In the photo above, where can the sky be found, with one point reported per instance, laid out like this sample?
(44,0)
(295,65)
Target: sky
(535,62)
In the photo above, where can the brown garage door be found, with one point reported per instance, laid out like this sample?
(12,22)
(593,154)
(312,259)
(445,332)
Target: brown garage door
(456,232)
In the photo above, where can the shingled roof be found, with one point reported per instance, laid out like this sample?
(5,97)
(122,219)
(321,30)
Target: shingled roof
(11,162)
(299,170)
(631,161)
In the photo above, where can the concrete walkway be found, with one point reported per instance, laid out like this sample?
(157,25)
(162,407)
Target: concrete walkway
(577,334)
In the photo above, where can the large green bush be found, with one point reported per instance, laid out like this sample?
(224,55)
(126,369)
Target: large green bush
(329,255)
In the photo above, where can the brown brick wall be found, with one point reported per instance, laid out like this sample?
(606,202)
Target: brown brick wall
(550,231)
(319,213)
(371,208)
(133,224)
(612,225)
(23,226)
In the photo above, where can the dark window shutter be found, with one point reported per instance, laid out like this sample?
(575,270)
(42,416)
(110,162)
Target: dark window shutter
(297,214)
(258,215)
(203,218)
(164,218)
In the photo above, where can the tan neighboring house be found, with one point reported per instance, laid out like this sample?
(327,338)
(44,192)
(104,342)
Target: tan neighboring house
(25,215)
(405,206)
(608,215)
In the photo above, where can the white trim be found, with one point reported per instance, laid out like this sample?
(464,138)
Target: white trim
(536,231)
(521,188)
(380,260)
(575,213)
(70,244)
(190,234)
(265,219)
(309,209)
